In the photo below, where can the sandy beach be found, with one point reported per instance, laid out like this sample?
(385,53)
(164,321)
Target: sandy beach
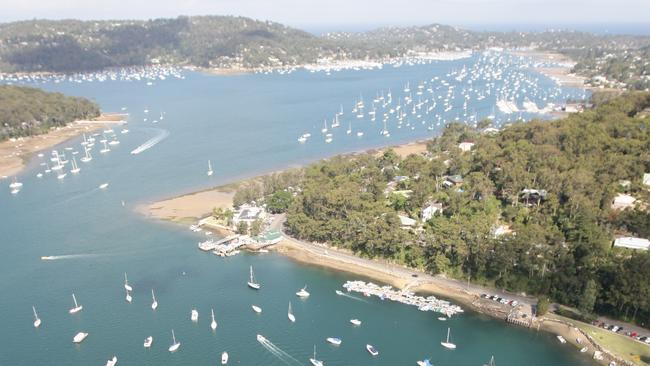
(14,153)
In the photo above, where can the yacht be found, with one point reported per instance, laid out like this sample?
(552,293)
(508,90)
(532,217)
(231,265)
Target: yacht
(315,361)
(128,297)
(61,175)
(334,341)
(356,322)
(194,315)
(79,337)
(148,341)
(251,282)
(210,172)
(256,308)
(339,292)
(112,361)
(290,315)
(424,363)
(77,308)
(154,303)
(126,283)
(114,141)
(37,320)
(260,338)
(446,343)
(174,347)
(303,292)
(224,358)
(372,350)
(213,323)
(103,186)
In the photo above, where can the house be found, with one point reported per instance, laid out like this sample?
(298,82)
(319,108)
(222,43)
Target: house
(623,201)
(535,195)
(646,179)
(632,243)
(430,210)
(501,230)
(466,146)
(406,221)
(248,213)
(453,181)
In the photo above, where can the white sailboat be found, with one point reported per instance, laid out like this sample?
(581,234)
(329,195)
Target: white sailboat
(315,361)
(349,130)
(154,304)
(224,358)
(126,283)
(15,184)
(446,343)
(79,337)
(324,129)
(303,292)
(112,361)
(87,157)
(37,320)
(174,347)
(290,315)
(491,363)
(251,282)
(148,341)
(210,172)
(77,308)
(256,309)
(75,168)
(128,297)
(105,149)
(213,324)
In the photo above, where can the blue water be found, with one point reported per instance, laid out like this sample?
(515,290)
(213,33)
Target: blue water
(246,125)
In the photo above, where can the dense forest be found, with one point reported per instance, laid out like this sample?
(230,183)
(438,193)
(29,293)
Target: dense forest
(28,111)
(238,42)
(527,209)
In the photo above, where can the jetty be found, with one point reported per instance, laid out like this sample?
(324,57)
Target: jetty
(429,303)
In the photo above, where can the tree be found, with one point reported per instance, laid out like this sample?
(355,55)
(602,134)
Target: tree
(279,202)
(542,306)
(242,228)
(256,227)
(588,299)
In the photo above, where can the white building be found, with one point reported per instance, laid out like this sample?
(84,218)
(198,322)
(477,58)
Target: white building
(430,210)
(646,179)
(466,146)
(632,243)
(248,214)
(406,221)
(623,201)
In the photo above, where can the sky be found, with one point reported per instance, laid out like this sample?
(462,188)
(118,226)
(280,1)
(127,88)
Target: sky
(326,15)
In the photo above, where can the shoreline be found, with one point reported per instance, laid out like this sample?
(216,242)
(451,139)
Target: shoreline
(16,153)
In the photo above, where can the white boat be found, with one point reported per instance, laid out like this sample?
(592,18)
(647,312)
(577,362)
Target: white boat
(79,337)
(491,363)
(15,191)
(324,129)
(87,157)
(112,361)
(37,320)
(210,172)
(194,315)
(148,341)
(335,341)
(561,339)
(103,186)
(359,134)
(446,343)
(290,315)
(224,358)
(356,322)
(251,281)
(126,283)
(61,175)
(303,292)
(174,347)
(314,361)
(256,308)
(213,323)
(105,149)
(302,139)
(114,142)
(349,130)
(128,297)
(154,303)
(339,292)
(260,338)
(75,168)
(584,349)
(372,350)
(424,363)
(328,140)
(77,308)
(442,318)
(15,184)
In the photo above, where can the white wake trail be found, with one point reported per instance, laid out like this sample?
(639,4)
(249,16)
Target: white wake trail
(151,142)
(279,353)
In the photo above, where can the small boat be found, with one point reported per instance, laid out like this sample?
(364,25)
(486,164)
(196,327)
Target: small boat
(103,186)
(213,324)
(79,337)
(339,292)
(372,350)
(442,318)
(584,349)
(303,292)
(334,341)
(290,315)
(75,168)
(128,297)
(446,343)
(112,361)
(491,363)
(194,315)
(126,283)
(37,320)
(105,149)
(356,322)
(256,308)
(260,338)
(148,341)
(61,175)
(77,308)
(424,363)
(39,175)
(251,282)
(154,304)
(224,358)
(314,361)
(210,172)
(561,339)
(174,347)
(15,184)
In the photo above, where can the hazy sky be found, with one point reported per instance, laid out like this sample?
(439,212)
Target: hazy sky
(345,13)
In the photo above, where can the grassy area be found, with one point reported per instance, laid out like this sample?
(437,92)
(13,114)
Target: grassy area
(620,344)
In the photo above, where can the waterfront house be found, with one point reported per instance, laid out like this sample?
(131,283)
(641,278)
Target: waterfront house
(632,243)
(453,181)
(466,146)
(431,209)
(623,201)
(248,213)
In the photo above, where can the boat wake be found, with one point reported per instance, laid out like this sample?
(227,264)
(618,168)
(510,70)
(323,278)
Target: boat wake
(278,352)
(68,256)
(151,142)
(353,297)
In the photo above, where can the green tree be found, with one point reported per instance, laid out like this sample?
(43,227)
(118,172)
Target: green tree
(279,202)
(242,228)
(256,227)
(542,305)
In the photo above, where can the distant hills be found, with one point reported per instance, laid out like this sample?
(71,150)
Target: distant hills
(243,43)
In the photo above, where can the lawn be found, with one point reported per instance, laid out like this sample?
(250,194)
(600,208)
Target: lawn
(622,345)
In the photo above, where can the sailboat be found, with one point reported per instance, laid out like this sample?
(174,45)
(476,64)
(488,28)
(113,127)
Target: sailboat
(491,363)
(112,361)
(194,315)
(126,283)
(105,149)
(314,361)
(424,363)
(77,308)
(290,314)
(324,129)
(251,282)
(446,343)
(213,324)
(128,297)
(88,157)
(37,320)
(303,292)
(154,304)
(210,169)
(349,131)
(15,184)
(174,347)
